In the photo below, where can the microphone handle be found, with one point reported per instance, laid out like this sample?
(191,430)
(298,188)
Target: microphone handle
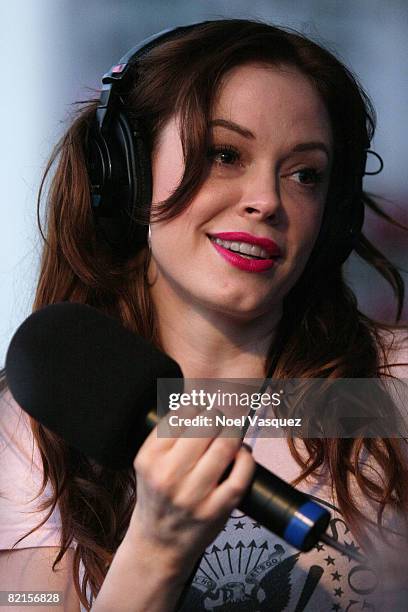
(284,510)
(281,508)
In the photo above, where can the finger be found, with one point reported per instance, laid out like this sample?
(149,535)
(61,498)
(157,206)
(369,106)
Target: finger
(209,469)
(193,443)
(164,436)
(230,491)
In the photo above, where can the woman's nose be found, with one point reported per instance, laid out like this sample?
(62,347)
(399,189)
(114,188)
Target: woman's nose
(261,197)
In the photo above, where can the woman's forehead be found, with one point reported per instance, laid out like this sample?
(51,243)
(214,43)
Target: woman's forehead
(264,99)
(279,98)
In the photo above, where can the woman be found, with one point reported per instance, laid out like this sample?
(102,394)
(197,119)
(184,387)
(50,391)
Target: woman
(258,139)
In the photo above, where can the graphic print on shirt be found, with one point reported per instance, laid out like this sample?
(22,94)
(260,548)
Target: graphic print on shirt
(249,569)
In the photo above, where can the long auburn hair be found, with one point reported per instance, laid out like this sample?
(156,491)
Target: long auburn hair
(322,333)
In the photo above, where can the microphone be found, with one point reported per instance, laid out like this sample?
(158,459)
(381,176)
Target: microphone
(86,377)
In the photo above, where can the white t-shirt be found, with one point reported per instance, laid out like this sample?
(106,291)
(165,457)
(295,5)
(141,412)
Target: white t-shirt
(247,568)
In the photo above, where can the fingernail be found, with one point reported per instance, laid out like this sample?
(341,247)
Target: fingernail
(249,448)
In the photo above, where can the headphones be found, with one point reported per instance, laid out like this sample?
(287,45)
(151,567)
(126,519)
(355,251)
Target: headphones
(119,170)
(118,159)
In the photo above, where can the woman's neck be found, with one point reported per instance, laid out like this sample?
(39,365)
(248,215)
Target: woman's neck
(208,344)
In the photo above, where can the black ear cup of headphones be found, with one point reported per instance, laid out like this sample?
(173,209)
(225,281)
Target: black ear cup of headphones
(121,184)
(118,159)
(344,228)
(341,226)
(348,218)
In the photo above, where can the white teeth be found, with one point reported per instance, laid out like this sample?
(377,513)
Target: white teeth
(243,247)
(256,250)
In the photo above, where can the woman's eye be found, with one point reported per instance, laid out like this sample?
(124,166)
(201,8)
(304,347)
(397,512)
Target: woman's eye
(307,176)
(224,155)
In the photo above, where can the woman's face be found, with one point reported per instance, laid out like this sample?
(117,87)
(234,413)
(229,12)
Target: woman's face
(244,240)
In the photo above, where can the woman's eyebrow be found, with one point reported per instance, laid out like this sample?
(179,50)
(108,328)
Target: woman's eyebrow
(309,146)
(235,127)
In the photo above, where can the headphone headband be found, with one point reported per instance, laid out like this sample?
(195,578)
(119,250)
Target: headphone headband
(118,71)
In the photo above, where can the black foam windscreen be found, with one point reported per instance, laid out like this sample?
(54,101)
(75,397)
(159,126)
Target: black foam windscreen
(78,371)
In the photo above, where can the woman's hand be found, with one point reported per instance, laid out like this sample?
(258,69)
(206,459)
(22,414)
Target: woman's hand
(181,503)
(181,506)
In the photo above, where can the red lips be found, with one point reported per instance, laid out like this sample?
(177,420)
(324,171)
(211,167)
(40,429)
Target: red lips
(244,263)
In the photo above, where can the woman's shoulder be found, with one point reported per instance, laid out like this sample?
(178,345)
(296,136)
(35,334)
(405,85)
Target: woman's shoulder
(11,413)
(15,433)
(21,478)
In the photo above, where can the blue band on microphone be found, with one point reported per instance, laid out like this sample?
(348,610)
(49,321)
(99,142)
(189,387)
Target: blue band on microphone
(302,522)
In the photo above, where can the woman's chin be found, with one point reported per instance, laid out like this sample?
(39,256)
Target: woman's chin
(243,310)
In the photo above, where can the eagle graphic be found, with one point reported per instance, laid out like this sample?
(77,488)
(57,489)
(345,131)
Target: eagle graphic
(265,587)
